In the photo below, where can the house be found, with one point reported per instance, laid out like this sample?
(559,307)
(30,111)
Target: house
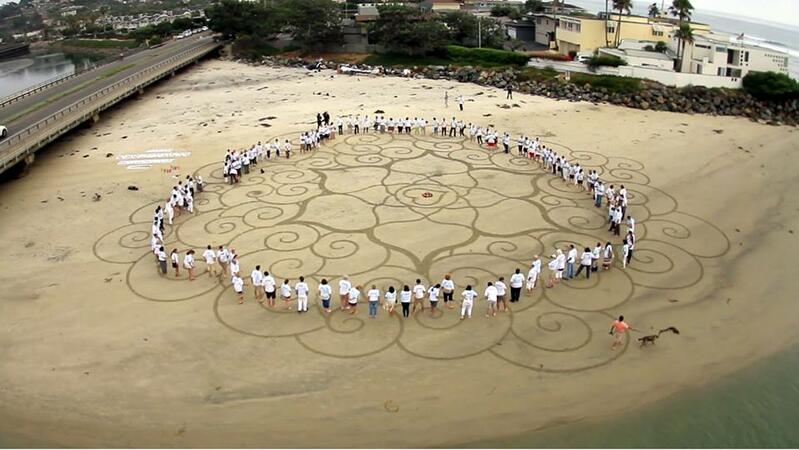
(728,56)
(545,29)
(485,6)
(441,5)
(521,30)
(367,13)
(587,33)
(641,58)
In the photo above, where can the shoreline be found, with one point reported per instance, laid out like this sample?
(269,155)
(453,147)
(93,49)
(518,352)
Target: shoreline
(439,412)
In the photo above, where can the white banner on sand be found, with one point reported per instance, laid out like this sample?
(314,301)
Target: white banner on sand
(149,158)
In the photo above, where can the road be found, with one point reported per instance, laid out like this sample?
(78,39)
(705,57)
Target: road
(26,112)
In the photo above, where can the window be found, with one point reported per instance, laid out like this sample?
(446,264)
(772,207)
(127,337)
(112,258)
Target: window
(746,56)
(721,49)
(611,29)
(657,33)
(702,46)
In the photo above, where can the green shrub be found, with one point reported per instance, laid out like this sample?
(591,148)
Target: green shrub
(101,43)
(606,60)
(534,74)
(613,84)
(771,86)
(252,47)
(486,57)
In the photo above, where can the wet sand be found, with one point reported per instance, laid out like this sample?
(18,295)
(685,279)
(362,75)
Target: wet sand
(100,351)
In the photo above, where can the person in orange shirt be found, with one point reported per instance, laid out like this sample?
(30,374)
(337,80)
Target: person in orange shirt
(618,330)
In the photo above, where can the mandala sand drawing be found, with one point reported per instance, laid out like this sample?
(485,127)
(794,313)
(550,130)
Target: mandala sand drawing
(387,209)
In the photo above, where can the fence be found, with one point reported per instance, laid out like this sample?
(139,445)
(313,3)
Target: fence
(53,126)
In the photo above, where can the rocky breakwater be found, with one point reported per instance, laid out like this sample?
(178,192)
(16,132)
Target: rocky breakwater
(647,95)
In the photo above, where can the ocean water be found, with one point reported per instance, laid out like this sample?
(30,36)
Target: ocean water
(755,408)
(773,35)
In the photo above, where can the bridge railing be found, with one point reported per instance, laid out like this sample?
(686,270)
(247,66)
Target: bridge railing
(9,156)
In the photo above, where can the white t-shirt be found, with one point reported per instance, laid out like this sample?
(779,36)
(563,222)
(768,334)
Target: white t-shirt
(174,257)
(325,291)
(373,294)
(448,284)
(491,294)
(257,277)
(419,291)
(344,287)
(354,294)
(209,256)
(516,280)
(405,296)
(234,266)
(268,283)
(391,297)
(587,258)
(468,296)
(188,261)
(285,290)
(302,289)
(238,284)
(572,256)
(501,288)
(433,293)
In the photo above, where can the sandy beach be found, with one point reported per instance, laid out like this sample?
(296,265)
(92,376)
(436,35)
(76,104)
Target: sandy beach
(98,350)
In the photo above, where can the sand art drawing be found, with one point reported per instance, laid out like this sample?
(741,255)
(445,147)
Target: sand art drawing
(360,206)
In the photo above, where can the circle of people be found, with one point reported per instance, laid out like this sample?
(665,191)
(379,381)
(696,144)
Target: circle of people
(224,262)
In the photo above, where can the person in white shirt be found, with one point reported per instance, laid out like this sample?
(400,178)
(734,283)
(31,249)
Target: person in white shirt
(630,224)
(238,286)
(448,289)
(324,294)
(491,298)
(161,255)
(432,296)
(467,299)
(405,300)
(222,257)
(502,299)
(533,273)
(285,293)
(188,264)
(210,261)
(270,288)
(170,211)
(586,261)
(235,268)
(418,295)
(175,258)
(352,299)
(625,254)
(391,301)
(571,259)
(344,287)
(257,282)
(597,251)
(607,256)
(516,284)
(302,295)
(373,296)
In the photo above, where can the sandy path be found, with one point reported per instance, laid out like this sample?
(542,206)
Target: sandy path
(99,351)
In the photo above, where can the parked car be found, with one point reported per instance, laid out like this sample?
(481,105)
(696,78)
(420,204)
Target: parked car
(584,58)
(3,132)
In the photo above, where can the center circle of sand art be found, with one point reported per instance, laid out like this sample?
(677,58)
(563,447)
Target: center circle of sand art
(357,206)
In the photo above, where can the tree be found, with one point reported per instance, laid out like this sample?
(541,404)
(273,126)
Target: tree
(771,86)
(681,9)
(607,17)
(661,47)
(405,30)
(654,11)
(684,34)
(502,10)
(312,22)
(533,6)
(464,29)
(233,18)
(621,6)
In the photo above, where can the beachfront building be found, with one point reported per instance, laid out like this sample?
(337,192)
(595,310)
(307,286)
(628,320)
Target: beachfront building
(587,33)
(727,56)
(545,29)
(441,5)
(641,58)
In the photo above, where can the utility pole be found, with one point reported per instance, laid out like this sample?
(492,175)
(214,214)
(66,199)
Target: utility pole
(479,31)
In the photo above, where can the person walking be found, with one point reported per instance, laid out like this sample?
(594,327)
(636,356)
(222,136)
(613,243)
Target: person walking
(373,296)
(586,261)
(491,299)
(418,295)
(324,295)
(405,300)
(516,284)
(448,289)
(571,258)
(467,298)
(510,92)
(460,101)
(502,298)
(618,330)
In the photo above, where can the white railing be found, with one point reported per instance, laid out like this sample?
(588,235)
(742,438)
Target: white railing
(98,100)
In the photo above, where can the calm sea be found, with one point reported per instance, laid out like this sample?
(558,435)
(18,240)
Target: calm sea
(755,408)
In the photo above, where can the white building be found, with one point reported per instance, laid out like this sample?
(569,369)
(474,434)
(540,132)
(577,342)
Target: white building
(641,58)
(726,55)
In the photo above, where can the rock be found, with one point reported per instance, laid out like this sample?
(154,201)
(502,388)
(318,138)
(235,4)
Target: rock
(133,187)
(108,155)
(644,105)
(96,197)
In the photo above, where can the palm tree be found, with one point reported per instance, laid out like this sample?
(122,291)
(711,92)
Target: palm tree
(684,34)
(621,6)
(681,9)
(654,11)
